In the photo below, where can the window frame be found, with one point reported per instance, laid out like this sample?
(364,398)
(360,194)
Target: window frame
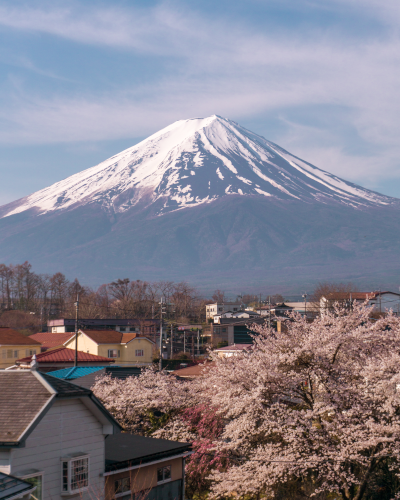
(69,461)
(163,481)
(117,351)
(139,351)
(26,477)
(119,494)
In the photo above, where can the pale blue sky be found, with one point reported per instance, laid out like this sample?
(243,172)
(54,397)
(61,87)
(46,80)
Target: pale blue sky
(81,81)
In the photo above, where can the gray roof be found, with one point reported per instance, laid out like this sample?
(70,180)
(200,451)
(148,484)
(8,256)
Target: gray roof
(13,487)
(25,397)
(22,397)
(124,450)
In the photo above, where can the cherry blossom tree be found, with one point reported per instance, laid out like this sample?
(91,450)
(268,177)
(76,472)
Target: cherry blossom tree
(147,403)
(318,406)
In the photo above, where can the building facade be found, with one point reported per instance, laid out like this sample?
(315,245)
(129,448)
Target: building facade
(14,345)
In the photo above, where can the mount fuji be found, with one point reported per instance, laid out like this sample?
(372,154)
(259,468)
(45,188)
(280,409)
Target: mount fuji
(207,201)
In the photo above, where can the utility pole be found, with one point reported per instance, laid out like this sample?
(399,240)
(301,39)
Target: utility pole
(198,342)
(305,304)
(162,311)
(76,329)
(172,341)
(184,341)
(269,311)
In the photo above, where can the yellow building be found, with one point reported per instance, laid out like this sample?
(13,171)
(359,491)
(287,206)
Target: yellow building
(127,349)
(14,345)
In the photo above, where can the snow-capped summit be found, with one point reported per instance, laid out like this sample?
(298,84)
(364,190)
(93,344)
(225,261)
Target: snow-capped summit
(192,162)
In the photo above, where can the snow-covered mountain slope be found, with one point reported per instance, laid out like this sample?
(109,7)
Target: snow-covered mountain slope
(192,162)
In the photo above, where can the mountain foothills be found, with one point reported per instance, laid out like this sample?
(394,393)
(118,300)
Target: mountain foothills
(207,201)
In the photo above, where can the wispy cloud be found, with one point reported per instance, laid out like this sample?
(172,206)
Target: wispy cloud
(229,68)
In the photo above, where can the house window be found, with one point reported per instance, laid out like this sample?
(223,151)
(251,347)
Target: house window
(4,354)
(35,480)
(139,352)
(75,474)
(30,352)
(114,353)
(122,485)
(235,308)
(122,329)
(164,474)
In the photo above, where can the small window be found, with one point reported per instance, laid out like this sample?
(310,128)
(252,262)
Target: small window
(9,353)
(15,354)
(235,308)
(75,474)
(35,480)
(122,485)
(122,329)
(114,353)
(30,352)
(164,474)
(4,354)
(139,352)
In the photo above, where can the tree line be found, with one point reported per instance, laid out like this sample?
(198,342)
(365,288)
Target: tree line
(35,298)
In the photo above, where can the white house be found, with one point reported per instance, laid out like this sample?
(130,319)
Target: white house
(219,308)
(52,435)
(235,315)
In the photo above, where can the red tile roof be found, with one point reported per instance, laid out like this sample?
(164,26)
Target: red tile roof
(9,336)
(111,336)
(193,371)
(49,340)
(62,355)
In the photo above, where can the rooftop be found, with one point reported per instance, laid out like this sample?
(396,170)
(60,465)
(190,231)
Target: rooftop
(24,396)
(9,336)
(193,371)
(64,355)
(112,336)
(49,340)
(101,322)
(124,450)
(76,372)
(12,487)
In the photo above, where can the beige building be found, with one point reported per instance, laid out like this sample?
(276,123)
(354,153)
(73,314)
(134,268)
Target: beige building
(14,345)
(127,349)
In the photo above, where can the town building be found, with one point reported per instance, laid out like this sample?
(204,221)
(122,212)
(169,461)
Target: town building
(86,376)
(56,359)
(14,345)
(57,441)
(52,435)
(127,349)
(219,308)
(232,350)
(235,315)
(235,331)
(148,327)
(144,467)
(277,309)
